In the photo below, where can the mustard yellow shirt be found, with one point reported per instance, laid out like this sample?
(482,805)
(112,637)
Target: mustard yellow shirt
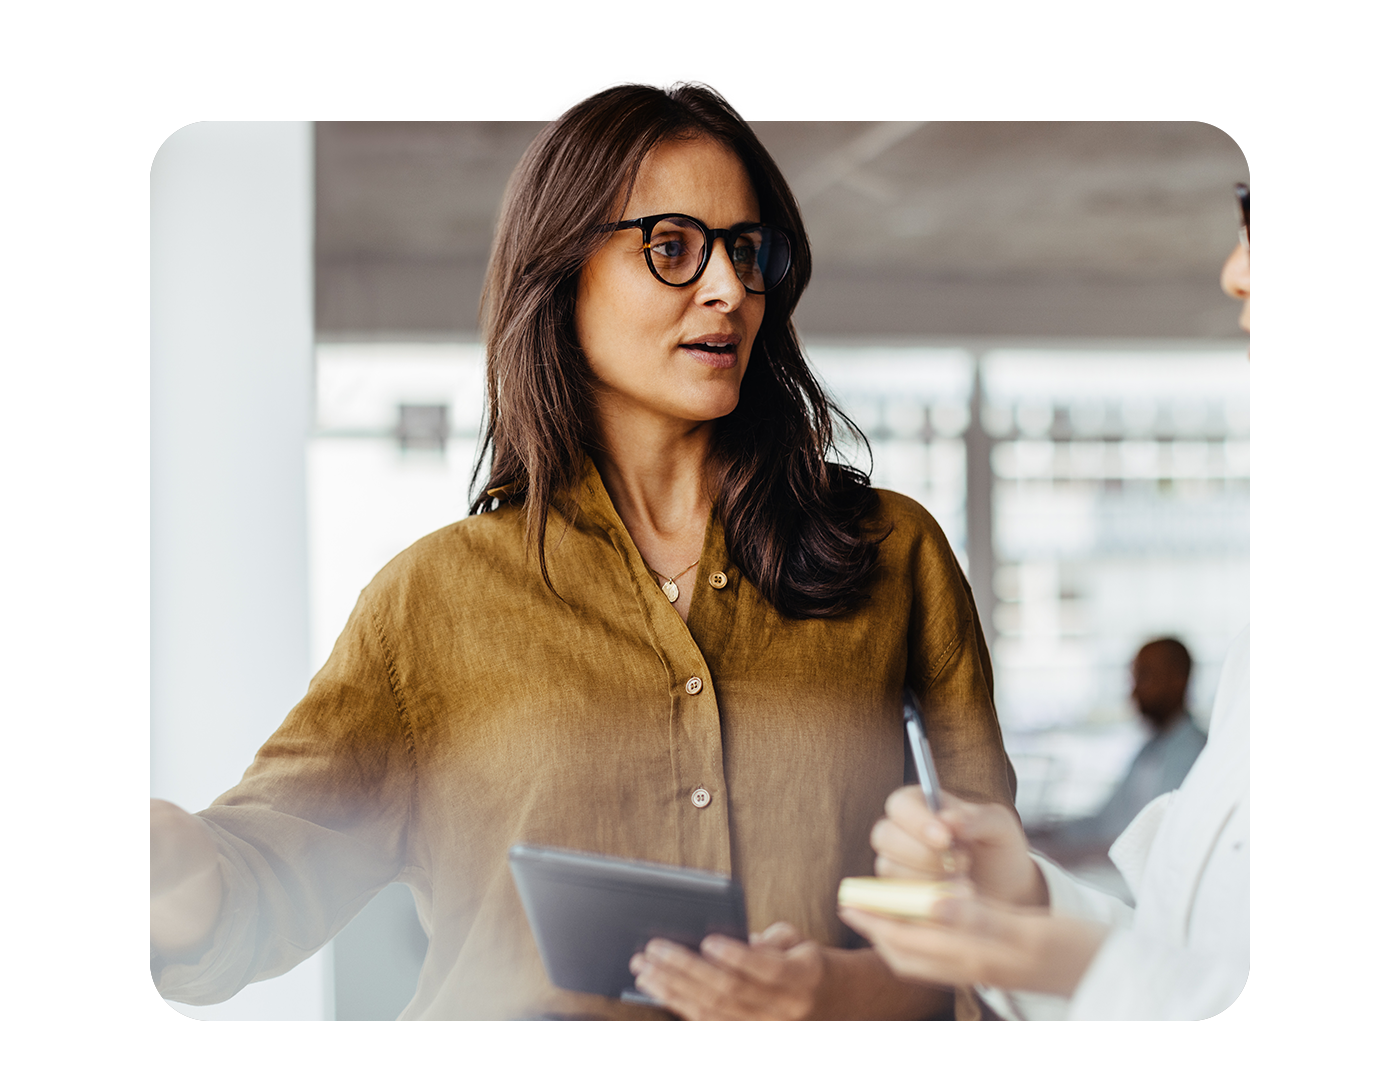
(466,707)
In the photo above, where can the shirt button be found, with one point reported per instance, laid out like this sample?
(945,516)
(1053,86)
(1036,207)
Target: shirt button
(700,797)
(694,685)
(718,580)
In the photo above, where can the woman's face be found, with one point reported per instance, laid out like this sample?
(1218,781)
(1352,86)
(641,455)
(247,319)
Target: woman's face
(641,337)
(1234,280)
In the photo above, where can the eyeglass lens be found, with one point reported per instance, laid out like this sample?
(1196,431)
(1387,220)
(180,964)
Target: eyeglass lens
(677,249)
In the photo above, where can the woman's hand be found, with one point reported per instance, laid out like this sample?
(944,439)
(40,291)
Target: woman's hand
(186,890)
(985,838)
(778,975)
(979,942)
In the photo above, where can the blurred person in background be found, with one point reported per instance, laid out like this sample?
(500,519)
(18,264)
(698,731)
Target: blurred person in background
(1039,944)
(672,630)
(1161,676)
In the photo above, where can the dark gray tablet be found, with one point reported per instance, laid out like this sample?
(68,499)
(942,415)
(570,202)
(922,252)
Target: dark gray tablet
(589,913)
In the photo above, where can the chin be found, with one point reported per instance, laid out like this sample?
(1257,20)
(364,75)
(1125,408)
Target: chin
(707,409)
(718,411)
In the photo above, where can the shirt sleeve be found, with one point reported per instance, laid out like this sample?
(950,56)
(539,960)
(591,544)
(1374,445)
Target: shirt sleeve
(950,668)
(316,827)
(1068,896)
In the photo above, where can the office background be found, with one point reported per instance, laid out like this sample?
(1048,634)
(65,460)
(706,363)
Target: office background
(1025,319)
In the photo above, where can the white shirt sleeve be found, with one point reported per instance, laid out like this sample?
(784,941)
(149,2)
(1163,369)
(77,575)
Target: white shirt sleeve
(1068,896)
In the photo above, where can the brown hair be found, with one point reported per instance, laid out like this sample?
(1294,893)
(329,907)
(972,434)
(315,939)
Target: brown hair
(796,522)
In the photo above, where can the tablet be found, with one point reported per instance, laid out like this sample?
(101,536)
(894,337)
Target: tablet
(590,913)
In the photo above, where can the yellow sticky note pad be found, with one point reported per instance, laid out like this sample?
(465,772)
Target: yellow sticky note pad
(901,898)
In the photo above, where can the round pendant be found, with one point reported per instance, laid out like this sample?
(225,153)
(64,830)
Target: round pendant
(672,592)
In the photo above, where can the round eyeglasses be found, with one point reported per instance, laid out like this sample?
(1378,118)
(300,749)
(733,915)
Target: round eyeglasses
(1242,199)
(678,249)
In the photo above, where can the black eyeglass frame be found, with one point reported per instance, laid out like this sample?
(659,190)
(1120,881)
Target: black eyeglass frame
(1242,198)
(730,235)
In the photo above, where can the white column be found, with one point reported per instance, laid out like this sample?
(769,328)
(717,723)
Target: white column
(231,408)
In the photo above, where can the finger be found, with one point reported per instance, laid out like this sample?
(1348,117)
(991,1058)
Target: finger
(727,974)
(977,918)
(884,868)
(765,966)
(902,847)
(898,855)
(909,801)
(856,919)
(992,824)
(906,808)
(686,983)
(955,916)
(907,811)
(678,996)
(780,936)
(677,961)
(940,866)
(919,951)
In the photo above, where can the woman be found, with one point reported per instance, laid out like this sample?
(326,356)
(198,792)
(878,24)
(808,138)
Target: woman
(671,630)
(1182,953)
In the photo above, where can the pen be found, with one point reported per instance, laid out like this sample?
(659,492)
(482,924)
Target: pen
(923,757)
(928,776)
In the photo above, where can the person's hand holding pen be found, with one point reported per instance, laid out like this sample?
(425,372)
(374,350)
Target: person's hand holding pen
(931,835)
(1002,936)
(913,842)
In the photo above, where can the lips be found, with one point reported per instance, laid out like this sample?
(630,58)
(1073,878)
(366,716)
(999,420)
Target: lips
(717,351)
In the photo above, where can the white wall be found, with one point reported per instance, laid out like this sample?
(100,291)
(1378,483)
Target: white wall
(231,410)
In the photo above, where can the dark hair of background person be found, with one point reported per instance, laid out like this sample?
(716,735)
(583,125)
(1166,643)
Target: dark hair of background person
(1161,674)
(1176,652)
(796,523)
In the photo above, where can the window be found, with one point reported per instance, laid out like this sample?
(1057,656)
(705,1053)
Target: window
(1118,492)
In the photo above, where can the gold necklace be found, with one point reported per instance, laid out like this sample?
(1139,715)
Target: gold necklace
(668,586)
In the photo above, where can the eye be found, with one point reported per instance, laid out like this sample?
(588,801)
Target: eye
(672,248)
(675,240)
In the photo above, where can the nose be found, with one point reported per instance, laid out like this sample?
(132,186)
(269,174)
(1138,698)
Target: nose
(1234,277)
(719,284)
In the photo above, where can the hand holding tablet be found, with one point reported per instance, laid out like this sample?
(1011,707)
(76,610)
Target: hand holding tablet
(596,917)
(591,913)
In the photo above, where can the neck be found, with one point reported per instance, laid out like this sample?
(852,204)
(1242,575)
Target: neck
(656,475)
(1170,720)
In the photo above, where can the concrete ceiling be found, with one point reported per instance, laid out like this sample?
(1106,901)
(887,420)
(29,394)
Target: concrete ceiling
(971,231)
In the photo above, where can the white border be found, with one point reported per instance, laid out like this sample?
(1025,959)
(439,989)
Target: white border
(92,90)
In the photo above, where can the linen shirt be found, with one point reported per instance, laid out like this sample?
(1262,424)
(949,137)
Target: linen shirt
(466,707)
